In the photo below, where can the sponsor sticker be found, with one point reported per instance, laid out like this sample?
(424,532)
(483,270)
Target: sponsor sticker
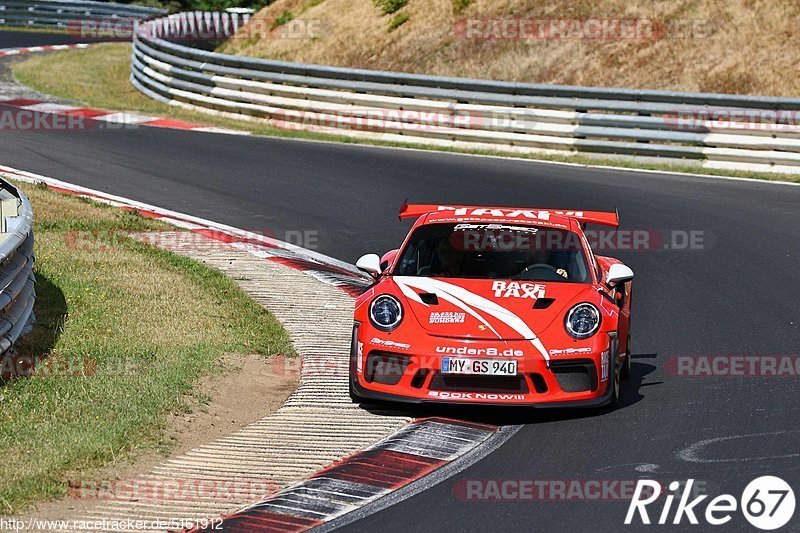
(570,351)
(389,344)
(515,289)
(495,227)
(474,396)
(491,352)
(446,317)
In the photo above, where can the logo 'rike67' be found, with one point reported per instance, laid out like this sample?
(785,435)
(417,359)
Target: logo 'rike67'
(767,502)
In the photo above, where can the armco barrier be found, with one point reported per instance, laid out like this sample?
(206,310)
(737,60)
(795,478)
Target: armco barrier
(714,130)
(63,14)
(17,293)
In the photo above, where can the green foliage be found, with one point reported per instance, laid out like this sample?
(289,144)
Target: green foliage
(309,4)
(398,20)
(389,6)
(461,5)
(284,17)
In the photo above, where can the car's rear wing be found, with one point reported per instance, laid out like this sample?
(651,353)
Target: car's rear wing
(604,218)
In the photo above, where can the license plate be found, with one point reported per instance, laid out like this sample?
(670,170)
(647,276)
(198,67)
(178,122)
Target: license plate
(486,367)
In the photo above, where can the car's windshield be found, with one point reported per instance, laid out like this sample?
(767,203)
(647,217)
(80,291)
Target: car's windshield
(494,251)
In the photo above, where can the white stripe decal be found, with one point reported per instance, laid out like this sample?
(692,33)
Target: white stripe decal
(479,302)
(410,293)
(402,283)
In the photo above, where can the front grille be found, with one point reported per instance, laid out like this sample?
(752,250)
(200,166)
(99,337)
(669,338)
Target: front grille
(539,384)
(575,376)
(385,368)
(497,384)
(419,378)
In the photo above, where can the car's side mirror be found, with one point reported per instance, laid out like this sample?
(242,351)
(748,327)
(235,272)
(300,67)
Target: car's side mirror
(388,259)
(618,273)
(371,264)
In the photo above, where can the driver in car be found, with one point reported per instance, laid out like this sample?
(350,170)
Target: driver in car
(449,259)
(541,258)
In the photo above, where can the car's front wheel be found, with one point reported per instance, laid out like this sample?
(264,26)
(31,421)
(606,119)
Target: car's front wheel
(353,396)
(626,365)
(615,382)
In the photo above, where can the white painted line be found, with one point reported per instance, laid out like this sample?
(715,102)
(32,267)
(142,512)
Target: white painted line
(124,118)
(224,131)
(47,107)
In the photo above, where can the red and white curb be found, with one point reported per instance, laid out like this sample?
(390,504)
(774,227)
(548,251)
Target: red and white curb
(81,117)
(409,454)
(34,49)
(322,267)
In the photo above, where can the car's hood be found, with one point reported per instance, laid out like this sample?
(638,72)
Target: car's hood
(486,309)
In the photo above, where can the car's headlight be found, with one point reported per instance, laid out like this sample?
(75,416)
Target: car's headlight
(583,321)
(386,312)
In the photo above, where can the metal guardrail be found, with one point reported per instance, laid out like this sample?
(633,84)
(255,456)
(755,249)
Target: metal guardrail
(17,292)
(62,14)
(726,131)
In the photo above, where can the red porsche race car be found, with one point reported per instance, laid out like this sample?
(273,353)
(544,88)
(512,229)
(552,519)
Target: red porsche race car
(493,305)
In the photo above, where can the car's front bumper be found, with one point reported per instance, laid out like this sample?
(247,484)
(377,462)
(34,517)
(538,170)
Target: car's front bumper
(367,394)
(539,383)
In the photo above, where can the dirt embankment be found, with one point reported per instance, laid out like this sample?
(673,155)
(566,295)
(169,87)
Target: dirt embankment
(729,46)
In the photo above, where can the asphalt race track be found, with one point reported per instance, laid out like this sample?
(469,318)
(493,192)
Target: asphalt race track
(15,39)
(736,294)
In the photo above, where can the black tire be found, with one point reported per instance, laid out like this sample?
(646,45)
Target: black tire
(353,396)
(616,383)
(626,365)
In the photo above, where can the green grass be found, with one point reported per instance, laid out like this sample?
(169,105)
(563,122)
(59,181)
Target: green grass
(398,20)
(311,3)
(282,19)
(98,76)
(124,332)
(29,29)
(390,6)
(461,5)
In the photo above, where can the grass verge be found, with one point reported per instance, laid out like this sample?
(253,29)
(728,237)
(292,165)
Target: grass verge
(98,77)
(125,331)
(29,29)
